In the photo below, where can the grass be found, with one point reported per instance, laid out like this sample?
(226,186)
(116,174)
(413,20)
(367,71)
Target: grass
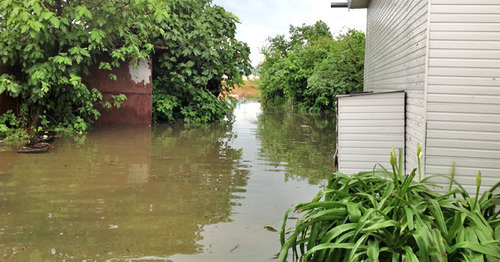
(383,215)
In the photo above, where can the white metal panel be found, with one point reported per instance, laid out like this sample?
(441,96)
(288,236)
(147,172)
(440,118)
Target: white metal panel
(396,45)
(463,110)
(415,127)
(368,127)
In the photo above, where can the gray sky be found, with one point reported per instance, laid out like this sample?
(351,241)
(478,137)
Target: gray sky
(261,19)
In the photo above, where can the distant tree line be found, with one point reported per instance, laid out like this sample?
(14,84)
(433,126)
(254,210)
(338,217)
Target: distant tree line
(308,69)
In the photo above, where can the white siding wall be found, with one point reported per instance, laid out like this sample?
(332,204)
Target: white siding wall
(396,47)
(368,126)
(464,90)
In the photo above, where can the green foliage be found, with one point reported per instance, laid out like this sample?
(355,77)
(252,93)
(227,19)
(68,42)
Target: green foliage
(386,216)
(311,68)
(9,127)
(201,52)
(50,45)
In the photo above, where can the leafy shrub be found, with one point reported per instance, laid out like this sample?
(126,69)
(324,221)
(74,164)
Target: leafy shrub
(384,216)
(203,59)
(9,126)
(51,45)
(311,68)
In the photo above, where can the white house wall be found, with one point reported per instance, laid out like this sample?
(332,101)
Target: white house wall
(396,46)
(463,103)
(368,127)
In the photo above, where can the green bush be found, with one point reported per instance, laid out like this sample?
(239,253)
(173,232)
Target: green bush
(308,70)
(383,215)
(203,59)
(50,47)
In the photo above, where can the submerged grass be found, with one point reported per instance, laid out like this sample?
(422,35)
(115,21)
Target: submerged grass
(384,215)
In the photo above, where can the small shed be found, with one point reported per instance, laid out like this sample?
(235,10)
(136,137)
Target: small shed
(444,55)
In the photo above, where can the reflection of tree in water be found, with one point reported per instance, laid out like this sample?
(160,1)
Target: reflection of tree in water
(120,194)
(306,144)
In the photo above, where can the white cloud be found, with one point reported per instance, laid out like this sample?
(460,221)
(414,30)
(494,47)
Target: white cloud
(262,19)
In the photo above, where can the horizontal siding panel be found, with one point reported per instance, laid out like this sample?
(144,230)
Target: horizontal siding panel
(404,71)
(463,162)
(377,123)
(465,172)
(477,8)
(367,116)
(360,102)
(464,108)
(464,89)
(465,81)
(389,138)
(364,144)
(466,18)
(471,54)
(372,129)
(465,36)
(396,45)
(467,99)
(447,134)
(463,126)
(464,2)
(464,144)
(368,151)
(465,27)
(364,121)
(463,153)
(465,63)
(355,167)
(472,72)
(463,117)
(370,159)
(374,109)
(444,44)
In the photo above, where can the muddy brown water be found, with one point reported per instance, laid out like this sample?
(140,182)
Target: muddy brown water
(167,193)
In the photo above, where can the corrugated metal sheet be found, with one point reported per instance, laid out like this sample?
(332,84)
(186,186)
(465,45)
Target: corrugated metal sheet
(463,111)
(368,127)
(135,83)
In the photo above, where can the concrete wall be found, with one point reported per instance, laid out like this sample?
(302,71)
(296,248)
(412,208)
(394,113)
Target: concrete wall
(463,103)
(135,83)
(369,125)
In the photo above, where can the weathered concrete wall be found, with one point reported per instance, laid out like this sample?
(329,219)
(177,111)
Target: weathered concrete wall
(6,103)
(135,83)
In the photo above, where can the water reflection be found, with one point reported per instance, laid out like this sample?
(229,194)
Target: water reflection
(304,145)
(118,194)
(168,192)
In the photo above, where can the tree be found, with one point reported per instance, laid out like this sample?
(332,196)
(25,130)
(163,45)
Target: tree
(310,68)
(51,44)
(203,60)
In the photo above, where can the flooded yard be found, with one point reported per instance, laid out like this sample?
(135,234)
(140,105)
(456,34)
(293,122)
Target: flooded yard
(168,193)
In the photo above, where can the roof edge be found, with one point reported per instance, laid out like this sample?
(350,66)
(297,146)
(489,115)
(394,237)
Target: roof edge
(358,4)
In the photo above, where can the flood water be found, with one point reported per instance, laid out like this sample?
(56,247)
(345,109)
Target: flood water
(167,193)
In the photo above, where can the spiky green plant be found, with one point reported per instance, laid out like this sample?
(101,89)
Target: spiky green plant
(386,216)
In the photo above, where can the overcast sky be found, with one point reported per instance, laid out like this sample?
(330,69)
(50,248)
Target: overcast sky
(261,19)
